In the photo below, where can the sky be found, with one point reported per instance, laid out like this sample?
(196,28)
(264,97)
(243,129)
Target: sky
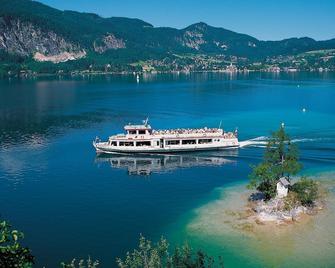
(263,19)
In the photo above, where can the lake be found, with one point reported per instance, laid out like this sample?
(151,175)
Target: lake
(72,204)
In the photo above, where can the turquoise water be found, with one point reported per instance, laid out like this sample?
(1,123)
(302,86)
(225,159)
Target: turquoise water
(71,203)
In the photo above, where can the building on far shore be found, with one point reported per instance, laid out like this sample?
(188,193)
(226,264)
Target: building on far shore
(231,68)
(274,69)
(282,187)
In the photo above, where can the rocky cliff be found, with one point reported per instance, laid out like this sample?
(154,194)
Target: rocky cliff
(26,39)
(32,30)
(109,41)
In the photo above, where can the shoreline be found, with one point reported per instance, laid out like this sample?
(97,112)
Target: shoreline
(276,211)
(247,217)
(76,74)
(223,224)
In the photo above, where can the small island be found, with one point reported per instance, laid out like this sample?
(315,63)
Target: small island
(279,197)
(275,216)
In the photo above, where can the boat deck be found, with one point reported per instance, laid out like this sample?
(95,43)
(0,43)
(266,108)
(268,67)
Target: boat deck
(188,131)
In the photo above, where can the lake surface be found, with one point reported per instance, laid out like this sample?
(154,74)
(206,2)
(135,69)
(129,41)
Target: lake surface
(70,203)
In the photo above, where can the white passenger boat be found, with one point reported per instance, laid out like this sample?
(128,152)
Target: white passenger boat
(143,139)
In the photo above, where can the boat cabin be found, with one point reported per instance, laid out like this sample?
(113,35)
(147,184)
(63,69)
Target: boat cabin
(135,136)
(138,129)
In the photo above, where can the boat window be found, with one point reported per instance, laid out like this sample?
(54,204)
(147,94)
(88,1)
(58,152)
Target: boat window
(126,143)
(113,143)
(173,142)
(203,141)
(132,132)
(188,142)
(143,143)
(141,132)
(157,143)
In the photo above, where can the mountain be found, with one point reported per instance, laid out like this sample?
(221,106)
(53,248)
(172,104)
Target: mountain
(31,32)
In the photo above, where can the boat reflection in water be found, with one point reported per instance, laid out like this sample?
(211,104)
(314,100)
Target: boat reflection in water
(145,165)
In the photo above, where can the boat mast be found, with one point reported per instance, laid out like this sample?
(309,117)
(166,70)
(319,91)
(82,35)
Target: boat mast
(145,122)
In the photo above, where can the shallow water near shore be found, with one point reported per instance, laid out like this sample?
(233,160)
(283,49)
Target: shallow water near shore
(70,203)
(221,227)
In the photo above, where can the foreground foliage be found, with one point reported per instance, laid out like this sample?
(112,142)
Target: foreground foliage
(280,159)
(81,264)
(157,255)
(12,254)
(147,255)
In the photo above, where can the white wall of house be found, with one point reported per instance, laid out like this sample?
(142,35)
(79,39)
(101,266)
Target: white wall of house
(281,190)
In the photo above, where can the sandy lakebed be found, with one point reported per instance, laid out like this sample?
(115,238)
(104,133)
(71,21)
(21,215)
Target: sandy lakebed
(228,226)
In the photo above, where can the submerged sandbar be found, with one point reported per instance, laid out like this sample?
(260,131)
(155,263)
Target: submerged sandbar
(227,223)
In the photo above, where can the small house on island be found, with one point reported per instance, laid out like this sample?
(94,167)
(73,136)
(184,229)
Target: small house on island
(282,187)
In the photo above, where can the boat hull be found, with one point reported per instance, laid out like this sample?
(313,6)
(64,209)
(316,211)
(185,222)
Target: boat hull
(103,148)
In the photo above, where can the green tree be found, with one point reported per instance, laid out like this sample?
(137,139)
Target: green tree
(280,159)
(81,264)
(306,190)
(12,254)
(149,255)
(184,257)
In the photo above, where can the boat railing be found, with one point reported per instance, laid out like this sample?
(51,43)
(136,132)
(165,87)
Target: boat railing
(201,132)
(188,131)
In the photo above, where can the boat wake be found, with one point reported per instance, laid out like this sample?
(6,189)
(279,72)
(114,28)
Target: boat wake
(256,142)
(309,140)
(262,141)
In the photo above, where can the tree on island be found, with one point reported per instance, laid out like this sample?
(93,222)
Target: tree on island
(306,191)
(280,160)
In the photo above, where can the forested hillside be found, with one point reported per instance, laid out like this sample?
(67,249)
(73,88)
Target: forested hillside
(39,38)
